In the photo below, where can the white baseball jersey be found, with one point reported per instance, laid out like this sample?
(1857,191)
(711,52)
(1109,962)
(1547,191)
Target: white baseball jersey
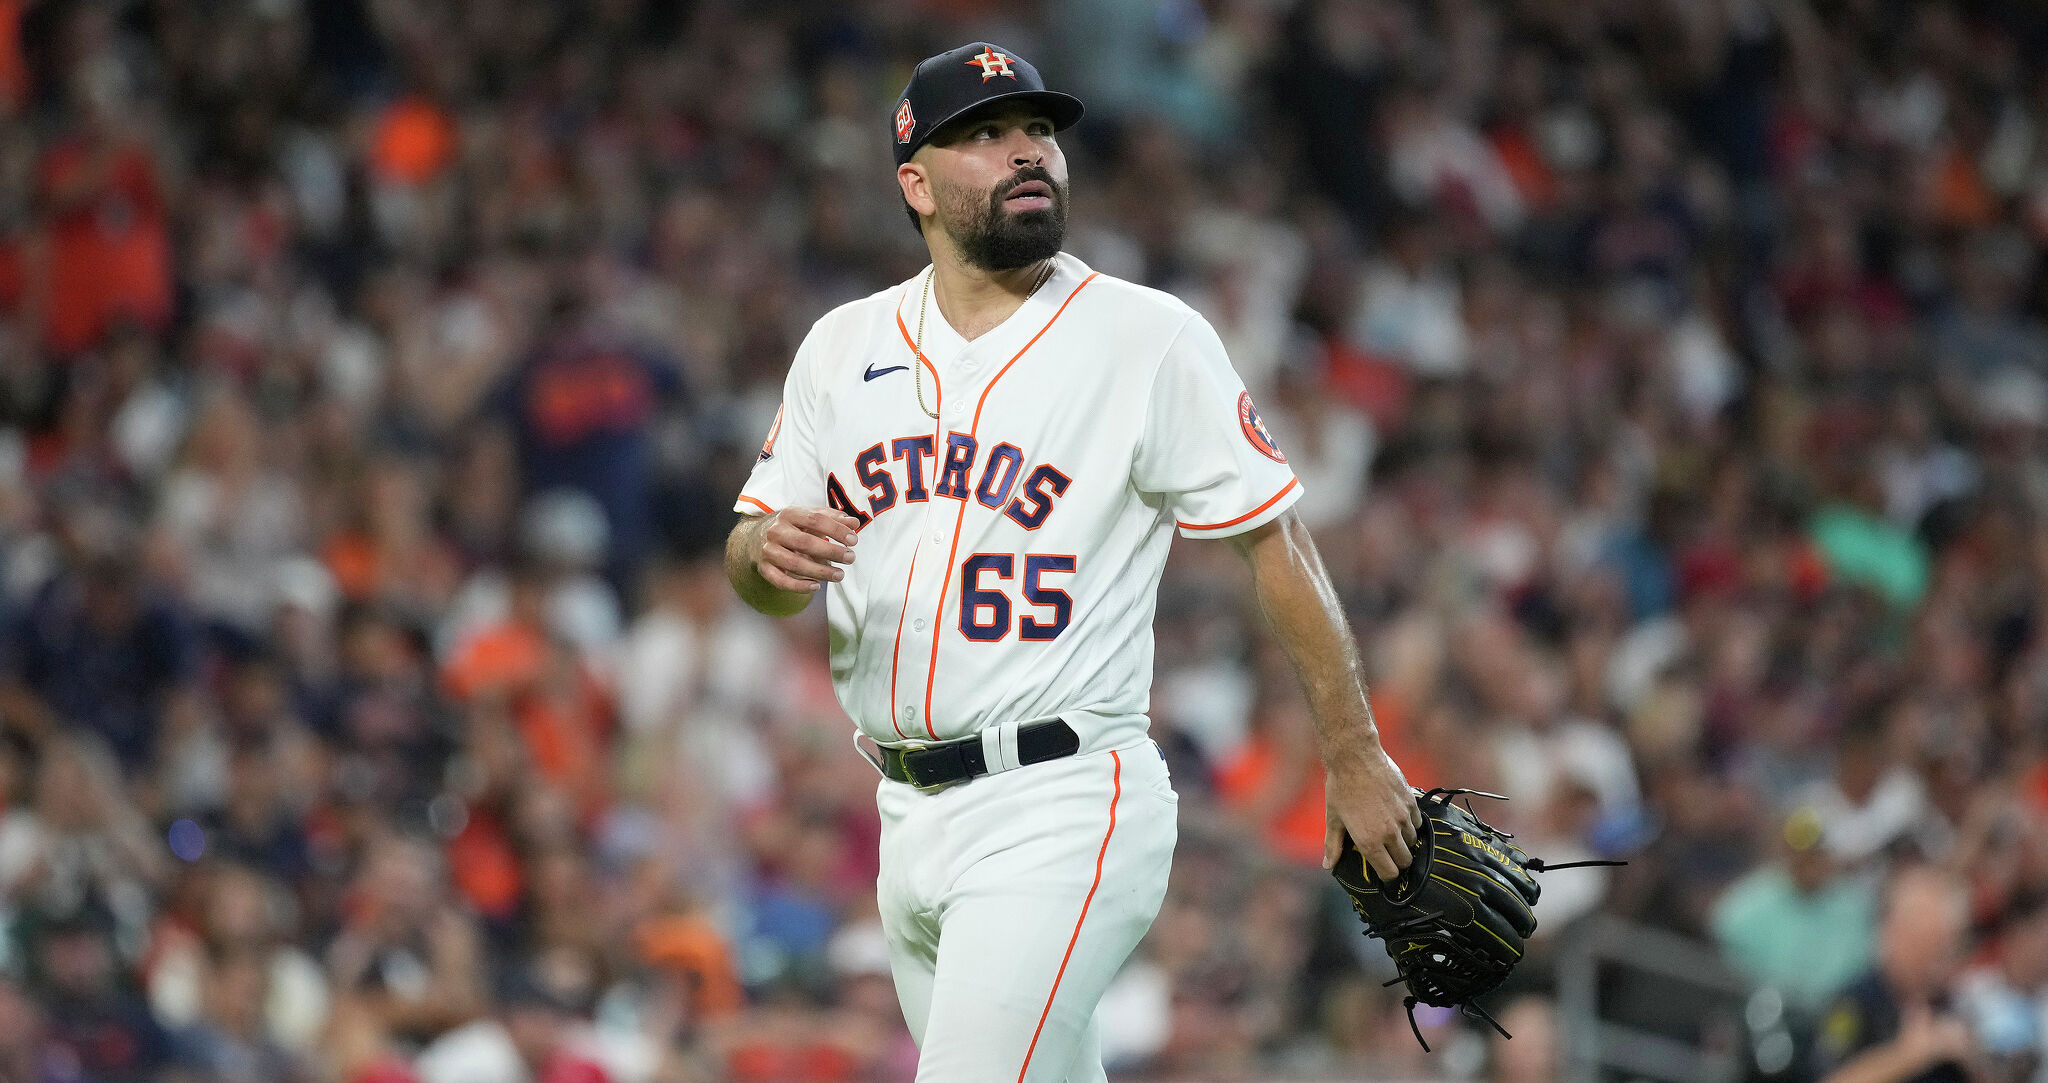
(1010,551)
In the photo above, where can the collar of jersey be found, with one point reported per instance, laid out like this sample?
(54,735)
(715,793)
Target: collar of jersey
(942,344)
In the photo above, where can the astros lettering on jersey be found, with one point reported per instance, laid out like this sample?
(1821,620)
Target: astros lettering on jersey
(1010,551)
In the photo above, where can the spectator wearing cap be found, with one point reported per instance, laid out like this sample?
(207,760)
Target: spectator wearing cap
(1799,924)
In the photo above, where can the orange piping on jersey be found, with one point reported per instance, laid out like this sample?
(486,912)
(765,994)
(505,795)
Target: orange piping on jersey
(1284,490)
(931,673)
(919,354)
(983,401)
(1117,780)
(765,509)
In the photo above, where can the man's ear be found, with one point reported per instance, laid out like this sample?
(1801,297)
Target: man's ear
(917,188)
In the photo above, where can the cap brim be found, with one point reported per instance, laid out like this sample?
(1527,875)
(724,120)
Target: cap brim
(1063,109)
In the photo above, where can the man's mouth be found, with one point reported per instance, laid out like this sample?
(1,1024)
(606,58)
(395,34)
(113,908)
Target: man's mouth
(1030,196)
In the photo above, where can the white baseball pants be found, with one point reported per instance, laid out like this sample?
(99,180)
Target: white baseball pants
(1011,900)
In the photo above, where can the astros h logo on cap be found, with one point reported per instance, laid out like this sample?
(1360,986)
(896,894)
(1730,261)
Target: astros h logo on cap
(992,64)
(947,87)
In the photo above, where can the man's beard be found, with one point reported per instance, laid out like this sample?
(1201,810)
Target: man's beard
(993,239)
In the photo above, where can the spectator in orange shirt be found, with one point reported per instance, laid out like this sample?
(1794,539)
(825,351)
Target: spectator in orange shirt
(390,552)
(563,714)
(1274,782)
(109,231)
(506,658)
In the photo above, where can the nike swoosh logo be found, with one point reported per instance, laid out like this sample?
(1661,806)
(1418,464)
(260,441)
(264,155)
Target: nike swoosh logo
(873,372)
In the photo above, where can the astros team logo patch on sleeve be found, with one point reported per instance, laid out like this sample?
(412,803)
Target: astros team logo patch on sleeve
(1255,430)
(775,430)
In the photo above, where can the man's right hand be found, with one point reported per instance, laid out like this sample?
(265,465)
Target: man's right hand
(796,549)
(1366,797)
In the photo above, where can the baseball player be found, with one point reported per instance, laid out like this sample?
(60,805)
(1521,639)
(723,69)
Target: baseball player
(986,464)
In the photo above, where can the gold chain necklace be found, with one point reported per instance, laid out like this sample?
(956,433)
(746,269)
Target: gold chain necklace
(917,347)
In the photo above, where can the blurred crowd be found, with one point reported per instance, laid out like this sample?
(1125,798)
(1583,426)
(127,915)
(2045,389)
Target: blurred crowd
(1668,380)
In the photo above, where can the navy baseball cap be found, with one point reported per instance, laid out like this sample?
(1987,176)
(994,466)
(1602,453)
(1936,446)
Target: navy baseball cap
(955,82)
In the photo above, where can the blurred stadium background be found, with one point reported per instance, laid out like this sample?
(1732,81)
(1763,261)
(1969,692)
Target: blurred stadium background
(1668,378)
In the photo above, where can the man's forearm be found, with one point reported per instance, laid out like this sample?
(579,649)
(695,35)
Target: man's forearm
(746,576)
(1306,617)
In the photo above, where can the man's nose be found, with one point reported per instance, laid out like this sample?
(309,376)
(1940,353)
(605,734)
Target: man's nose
(1024,150)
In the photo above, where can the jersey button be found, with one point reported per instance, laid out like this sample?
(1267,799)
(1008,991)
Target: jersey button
(918,624)
(910,714)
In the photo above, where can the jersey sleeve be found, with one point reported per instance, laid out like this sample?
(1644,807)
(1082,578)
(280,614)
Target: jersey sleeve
(1204,449)
(787,472)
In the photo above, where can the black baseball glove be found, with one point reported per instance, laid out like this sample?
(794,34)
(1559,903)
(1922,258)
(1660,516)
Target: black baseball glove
(1456,919)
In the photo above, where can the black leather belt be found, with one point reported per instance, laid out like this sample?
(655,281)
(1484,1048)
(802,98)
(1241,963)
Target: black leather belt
(962,759)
